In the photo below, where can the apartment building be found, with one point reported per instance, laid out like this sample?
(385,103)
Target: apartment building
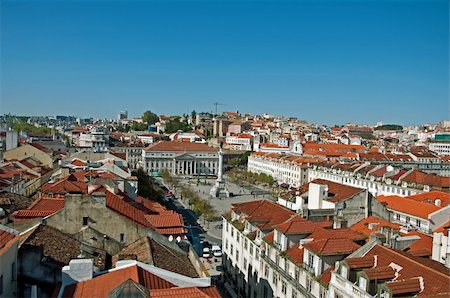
(378,271)
(288,169)
(269,251)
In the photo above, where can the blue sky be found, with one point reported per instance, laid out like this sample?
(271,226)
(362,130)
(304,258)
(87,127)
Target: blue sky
(323,61)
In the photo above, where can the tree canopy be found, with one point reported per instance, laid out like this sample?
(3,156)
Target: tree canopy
(176,124)
(150,118)
(389,127)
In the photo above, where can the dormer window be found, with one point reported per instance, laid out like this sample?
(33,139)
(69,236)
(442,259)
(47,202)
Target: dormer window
(344,272)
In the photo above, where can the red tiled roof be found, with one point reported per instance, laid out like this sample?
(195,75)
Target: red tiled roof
(265,214)
(180,146)
(408,206)
(427,179)
(336,192)
(405,286)
(187,292)
(295,254)
(78,163)
(363,225)
(436,276)
(165,220)
(102,285)
(362,262)
(331,247)
(65,186)
(380,273)
(42,148)
(326,275)
(431,197)
(349,234)
(5,237)
(298,225)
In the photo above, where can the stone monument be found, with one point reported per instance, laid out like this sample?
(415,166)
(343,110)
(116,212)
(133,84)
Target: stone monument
(219,189)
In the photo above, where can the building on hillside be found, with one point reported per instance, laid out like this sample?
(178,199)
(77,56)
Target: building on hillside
(181,158)
(440,144)
(242,142)
(285,169)
(43,154)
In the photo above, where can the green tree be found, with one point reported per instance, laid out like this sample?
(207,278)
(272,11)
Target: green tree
(150,118)
(176,124)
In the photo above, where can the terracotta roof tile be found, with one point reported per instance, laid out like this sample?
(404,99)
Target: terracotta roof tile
(408,206)
(405,286)
(380,273)
(336,192)
(436,276)
(331,247)
(102,285)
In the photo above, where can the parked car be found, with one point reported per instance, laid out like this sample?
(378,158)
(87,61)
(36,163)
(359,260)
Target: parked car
(217,252)
(206,252)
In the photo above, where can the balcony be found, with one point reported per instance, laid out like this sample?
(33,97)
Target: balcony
(348,287)
(286,276)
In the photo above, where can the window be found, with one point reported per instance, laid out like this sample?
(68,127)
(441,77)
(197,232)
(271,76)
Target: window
(310,260)
(266,270)
(122,237)
(226,226)
(308,284)
(251,249)
(297,274)
(245,244)
(283,287)
(231,249)
(418,223)
(245,264)
(232,232)
(323,293)
(398,216)
(362,283)
(85,220)
(344,271)
(274,278)
(408,219)
(294,293)
(237,255)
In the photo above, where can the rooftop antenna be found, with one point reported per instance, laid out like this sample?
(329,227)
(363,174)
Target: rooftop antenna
(217,104)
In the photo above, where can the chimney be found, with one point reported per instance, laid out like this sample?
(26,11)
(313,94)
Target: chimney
(77,271)
(437,202)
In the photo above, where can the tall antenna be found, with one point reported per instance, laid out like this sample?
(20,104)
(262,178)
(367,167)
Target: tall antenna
(215,106)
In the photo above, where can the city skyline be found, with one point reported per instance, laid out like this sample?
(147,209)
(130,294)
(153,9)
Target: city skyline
(327,62)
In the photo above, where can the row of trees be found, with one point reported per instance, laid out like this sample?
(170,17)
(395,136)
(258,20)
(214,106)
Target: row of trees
(200,206)
(237,176)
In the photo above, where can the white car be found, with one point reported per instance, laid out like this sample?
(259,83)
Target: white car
(217,252)
(206,253)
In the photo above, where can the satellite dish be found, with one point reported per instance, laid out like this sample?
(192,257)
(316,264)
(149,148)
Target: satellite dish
(178,239)
(390,168)
(170,238)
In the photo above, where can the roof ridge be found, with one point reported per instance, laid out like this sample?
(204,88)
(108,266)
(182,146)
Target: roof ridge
(412,260)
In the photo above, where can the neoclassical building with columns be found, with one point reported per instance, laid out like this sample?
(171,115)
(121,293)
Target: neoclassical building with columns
(181,158)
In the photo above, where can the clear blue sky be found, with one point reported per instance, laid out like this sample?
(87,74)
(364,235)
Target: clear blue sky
(323,61)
